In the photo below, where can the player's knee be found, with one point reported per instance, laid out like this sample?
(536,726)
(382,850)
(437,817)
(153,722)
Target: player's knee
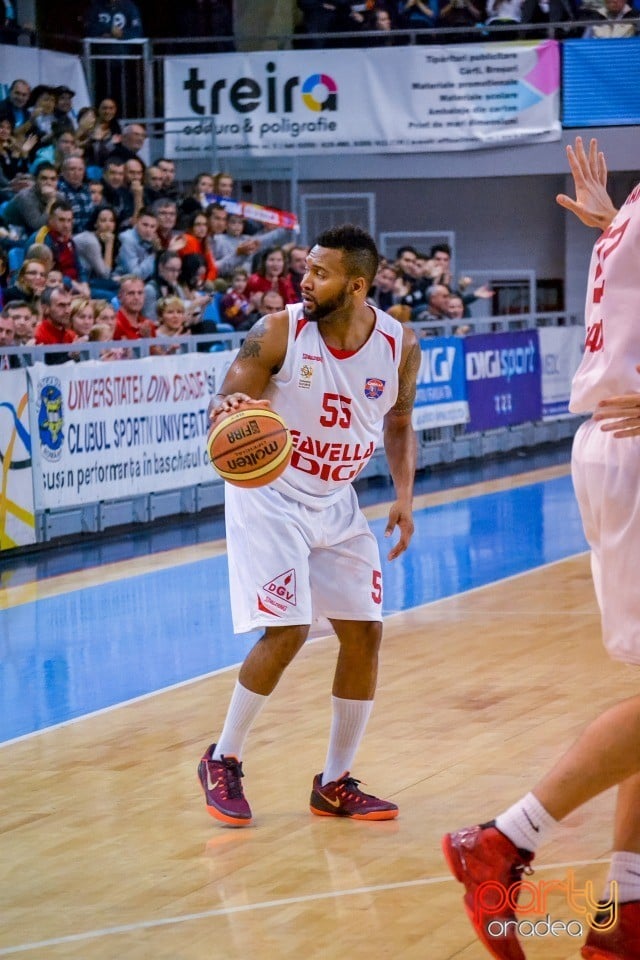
(284,642)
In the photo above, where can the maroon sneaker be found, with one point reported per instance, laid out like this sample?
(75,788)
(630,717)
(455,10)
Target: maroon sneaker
(482,855)
(222,784)
(622,942)
(343,798)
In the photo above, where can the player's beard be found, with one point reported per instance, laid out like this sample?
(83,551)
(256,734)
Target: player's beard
(320,311)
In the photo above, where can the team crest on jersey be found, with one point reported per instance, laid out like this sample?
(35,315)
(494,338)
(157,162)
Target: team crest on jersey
(306,374)
(373,388)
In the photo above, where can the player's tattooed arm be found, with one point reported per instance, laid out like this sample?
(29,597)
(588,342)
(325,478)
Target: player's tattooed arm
(252,344)
(407,383)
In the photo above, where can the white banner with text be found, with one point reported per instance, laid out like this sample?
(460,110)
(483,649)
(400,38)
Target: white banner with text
(400,100)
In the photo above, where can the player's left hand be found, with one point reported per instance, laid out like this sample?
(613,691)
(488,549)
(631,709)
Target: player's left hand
(400,515)
(621,413)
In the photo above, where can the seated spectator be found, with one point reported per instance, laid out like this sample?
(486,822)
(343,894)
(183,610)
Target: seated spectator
(455,307)
(100,136)
(153,186)
(4,274)
(14,106)
(24,318)
(384,293)
(237,239)
(499,12)
(82,319)
(418,14)
(269,302)
(29,285)
(102,333)
(270,275)
(297,268)
(41,121)
(191,282)
(13,152)
(169,185)
(134,171)
(41,253)
(54,279)
(131,142)
(171,316)
(98,245)
(96,189)
(7,339)
(163,283)
(62,145)
(138,246)
(223,185)
(73,189)
(29,209)
(228,254)
(55,323)
(65,115)
(436,306)
(58,236)
(105,315)
(236,306)
(459,13)
(166,212)
(131,324)
(114,20)
(196,241)
(197,199)
(116,193)
(614,24)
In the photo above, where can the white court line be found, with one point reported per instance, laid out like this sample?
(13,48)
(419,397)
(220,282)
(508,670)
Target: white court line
(235,666)
(250,907)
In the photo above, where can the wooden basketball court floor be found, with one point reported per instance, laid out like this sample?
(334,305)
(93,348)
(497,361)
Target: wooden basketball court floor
(113,680)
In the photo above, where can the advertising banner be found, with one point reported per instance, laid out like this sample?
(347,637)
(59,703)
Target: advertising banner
(593,95)
(560,355)
(103,431)
(503,379)
(441,396)
(395,100)
(17,520)
(43,66)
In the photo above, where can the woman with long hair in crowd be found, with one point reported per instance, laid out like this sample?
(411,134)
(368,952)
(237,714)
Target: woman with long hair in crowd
(271,275)
(14,152)
(98,249)
(198,197)
(195,237)
(30,283)
(82,319)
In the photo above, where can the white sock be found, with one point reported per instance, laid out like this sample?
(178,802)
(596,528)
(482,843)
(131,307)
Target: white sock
(526,823)
(243,710)
(625,870)
(348,724)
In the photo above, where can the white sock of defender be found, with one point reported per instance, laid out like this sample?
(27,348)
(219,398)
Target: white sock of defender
(526,823)
(625,870)
(243,710)
(348,723)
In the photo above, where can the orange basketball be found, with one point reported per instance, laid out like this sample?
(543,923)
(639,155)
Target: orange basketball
(250,448)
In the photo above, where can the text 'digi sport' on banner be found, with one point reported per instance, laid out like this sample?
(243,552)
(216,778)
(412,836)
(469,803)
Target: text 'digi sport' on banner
(103,431)
(404,100)
(17,520)
(441,394)
(503,379)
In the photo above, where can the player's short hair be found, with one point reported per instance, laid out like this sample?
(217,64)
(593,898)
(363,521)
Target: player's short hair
(358,247)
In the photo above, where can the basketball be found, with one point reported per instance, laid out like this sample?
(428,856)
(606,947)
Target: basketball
(250,448)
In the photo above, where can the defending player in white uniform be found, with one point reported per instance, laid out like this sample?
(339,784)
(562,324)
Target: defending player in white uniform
(606,471)
(341,373)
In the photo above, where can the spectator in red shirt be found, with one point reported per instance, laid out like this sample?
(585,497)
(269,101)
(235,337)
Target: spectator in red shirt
(57,236)
(54,328)
(270,275)
(130,323)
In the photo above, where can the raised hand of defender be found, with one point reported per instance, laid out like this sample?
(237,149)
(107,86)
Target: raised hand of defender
(592,204)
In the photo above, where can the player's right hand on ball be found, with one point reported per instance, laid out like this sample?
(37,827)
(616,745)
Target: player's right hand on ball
(223,406)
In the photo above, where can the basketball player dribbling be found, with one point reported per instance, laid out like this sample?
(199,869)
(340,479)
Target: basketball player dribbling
(341,373)
(606,472)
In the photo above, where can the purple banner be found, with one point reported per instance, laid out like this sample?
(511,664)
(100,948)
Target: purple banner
(503,379)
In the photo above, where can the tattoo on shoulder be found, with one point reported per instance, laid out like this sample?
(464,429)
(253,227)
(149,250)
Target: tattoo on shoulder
(251,345)
(407,385)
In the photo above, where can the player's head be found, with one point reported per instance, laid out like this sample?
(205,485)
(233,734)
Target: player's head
(341,267)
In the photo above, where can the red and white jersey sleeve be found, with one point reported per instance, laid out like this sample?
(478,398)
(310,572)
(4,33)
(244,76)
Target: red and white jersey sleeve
(334,404)
(612,313)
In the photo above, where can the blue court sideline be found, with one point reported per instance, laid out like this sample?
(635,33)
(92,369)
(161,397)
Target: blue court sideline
(69,655)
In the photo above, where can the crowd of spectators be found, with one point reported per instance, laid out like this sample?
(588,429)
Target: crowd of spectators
(386,16)
(97,245)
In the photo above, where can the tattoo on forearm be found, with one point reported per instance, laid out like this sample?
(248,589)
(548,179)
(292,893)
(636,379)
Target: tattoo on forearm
(407,385)
(251,346)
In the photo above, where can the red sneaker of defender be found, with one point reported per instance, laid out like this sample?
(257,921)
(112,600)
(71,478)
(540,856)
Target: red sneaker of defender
(483,855)
(620,943)
(343,798)
(222,784)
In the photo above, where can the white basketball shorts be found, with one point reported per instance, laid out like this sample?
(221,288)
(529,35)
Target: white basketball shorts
(606,478)
(289,563)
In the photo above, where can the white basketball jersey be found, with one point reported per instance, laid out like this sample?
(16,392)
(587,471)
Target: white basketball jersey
(612,313)
(334,404)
